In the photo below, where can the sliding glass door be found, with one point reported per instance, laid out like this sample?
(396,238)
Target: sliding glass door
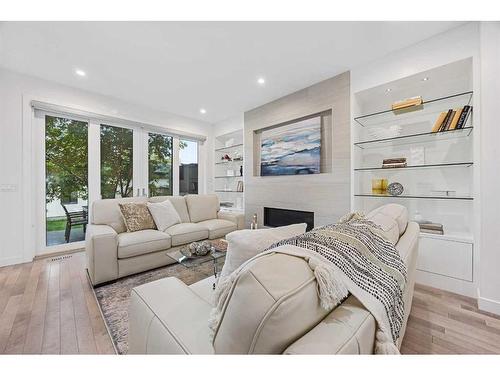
(66,180)
(117,162)
(160,160)
(80,160)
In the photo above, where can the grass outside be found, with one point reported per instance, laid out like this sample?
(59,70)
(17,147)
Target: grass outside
(56,224)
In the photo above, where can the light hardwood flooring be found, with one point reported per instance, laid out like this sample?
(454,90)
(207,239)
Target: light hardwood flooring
(47,306)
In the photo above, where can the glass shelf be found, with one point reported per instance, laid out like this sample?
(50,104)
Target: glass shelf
(424,166)
(416,138)
(229,147)
(415,196)
(229,162)
(412,114)
(228,191)
(228,176)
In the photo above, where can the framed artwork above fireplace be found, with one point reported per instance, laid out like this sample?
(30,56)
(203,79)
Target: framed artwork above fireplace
(293,148)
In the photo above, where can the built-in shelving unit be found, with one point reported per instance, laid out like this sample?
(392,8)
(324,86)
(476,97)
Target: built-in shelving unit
(227,172)
(439,179)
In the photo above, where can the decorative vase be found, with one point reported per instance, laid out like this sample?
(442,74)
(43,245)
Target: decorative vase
(395,189)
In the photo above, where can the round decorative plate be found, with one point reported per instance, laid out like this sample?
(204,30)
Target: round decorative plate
(395,188)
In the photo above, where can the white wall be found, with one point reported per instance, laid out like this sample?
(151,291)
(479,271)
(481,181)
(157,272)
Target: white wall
(229,125)
(489,287)
(13,87)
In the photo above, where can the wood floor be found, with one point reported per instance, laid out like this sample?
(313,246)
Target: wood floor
(47,306)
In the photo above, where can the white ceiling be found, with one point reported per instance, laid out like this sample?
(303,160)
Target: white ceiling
(181,67)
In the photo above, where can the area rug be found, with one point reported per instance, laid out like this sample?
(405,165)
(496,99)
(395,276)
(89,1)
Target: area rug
(114,298)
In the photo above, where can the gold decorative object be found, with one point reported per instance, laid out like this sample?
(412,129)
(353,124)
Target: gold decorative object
(379,185)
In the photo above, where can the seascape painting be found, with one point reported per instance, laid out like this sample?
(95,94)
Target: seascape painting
(291,149)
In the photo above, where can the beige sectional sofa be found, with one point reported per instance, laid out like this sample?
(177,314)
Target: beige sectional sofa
(273,307)
(112,252)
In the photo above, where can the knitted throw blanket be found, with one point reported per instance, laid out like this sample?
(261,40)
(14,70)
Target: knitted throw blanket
(370,267)
(347,257)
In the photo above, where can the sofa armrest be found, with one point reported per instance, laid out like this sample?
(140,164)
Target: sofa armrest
(236,217)
(101,247)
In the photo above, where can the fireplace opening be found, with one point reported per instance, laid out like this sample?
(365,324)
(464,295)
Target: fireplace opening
(278,217)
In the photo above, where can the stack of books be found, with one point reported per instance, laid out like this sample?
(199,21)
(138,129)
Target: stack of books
(432,228)
(394,163)
(452,119)
(410,102)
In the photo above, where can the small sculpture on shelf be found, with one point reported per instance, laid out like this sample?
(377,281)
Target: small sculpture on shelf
(241,170)
(395,189)
(226,157)
(253,224)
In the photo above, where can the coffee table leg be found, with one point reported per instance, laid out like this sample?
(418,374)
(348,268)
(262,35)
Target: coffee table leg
(215,273)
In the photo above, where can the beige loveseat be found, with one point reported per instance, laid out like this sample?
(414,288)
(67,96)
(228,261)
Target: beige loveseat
(272,308)
(112,252)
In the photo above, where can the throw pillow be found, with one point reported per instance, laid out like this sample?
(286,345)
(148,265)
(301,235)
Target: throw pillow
(388,226)
(245,244)
(136,216)
(164,214)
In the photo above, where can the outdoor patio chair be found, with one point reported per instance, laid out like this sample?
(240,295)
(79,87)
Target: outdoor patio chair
(74,218)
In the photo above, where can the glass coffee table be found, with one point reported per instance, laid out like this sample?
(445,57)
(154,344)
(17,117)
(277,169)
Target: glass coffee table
(216,257)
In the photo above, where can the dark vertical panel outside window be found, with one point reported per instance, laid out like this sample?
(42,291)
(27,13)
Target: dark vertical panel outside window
(188,167)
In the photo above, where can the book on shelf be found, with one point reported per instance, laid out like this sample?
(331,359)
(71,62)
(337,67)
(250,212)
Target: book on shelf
(449,120)
(410,102)
(429,227)
(394,163)
(464,116)
(456,117)
(446,119)
(431,231)
(438,122)
(239,187)
(452,119)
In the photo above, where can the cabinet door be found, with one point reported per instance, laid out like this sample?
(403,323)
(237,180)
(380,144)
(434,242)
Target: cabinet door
(446,258)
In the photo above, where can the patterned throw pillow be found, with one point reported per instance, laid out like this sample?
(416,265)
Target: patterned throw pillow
(136,216)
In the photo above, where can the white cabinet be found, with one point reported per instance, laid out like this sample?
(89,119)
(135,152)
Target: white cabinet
(446,258)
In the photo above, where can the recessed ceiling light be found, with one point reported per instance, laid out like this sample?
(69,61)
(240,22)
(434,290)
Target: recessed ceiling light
(425,79)
(261,81)
(388,90)
(80,73)
(203,111)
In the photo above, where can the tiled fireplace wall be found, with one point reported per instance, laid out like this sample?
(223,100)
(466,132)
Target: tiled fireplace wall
(325,194)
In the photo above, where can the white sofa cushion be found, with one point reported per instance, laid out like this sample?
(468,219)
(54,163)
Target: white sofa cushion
(164,214)
(273,302)
(179,204)
(202,207)
(218,228)
(167,317)
(245,244)
(185,233)
(131,244)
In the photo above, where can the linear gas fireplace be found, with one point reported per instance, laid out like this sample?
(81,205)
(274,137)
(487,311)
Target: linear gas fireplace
(277,217)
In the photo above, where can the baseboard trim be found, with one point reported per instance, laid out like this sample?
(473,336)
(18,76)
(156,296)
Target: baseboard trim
(58,253)
(489,305)
(11,261)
